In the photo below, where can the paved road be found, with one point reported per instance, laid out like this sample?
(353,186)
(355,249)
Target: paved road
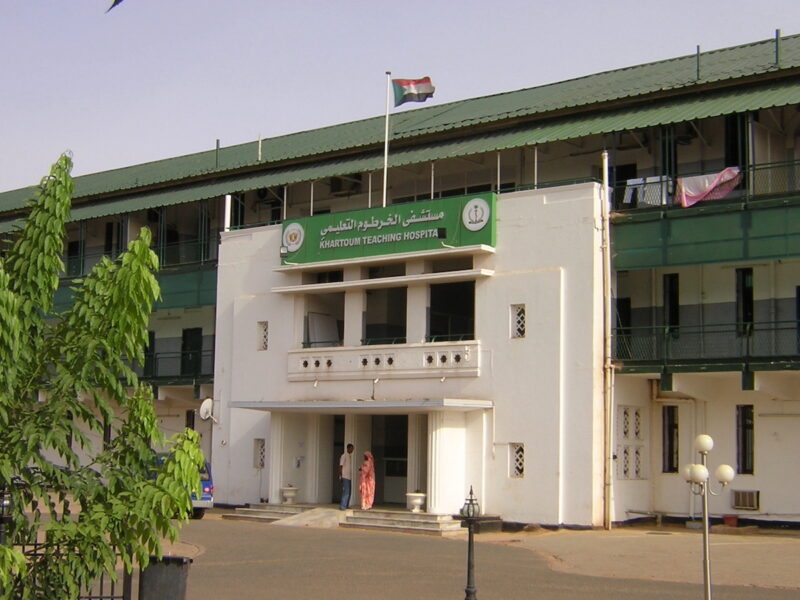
(241,560)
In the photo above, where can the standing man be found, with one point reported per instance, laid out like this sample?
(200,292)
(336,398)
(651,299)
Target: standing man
(346,475)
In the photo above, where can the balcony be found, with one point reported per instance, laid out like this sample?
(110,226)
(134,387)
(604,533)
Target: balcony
(387,361)
(169,255)
(178,367)
(756,182)
(717,347)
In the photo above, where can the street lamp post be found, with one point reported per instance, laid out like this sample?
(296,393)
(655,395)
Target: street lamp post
(6,507)
(697,477)
(470,512)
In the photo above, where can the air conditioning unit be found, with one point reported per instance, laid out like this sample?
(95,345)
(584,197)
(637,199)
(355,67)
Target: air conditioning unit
(745,499)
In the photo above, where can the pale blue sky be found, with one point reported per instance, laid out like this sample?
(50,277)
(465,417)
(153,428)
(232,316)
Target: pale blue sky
(160,78)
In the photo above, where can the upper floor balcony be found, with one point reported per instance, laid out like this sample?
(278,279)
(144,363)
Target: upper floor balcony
(710,347)
(731,184)
(179,367)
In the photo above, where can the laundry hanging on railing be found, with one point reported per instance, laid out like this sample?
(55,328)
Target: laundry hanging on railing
(714,186)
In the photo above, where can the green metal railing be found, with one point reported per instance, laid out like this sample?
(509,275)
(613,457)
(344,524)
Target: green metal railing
(374,341)
(451,337)
(169,255)
(191,363)
(757,182)
(725,341)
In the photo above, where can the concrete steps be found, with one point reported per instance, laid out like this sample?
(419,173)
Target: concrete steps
(404,521)
(267,513)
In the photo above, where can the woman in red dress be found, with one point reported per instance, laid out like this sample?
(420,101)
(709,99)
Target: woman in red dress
(366,485)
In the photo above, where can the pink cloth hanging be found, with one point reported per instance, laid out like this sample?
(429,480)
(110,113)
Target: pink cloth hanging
(714,186)
(366,485)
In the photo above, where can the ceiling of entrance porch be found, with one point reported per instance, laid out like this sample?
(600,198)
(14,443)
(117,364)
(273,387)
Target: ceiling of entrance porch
(369,406)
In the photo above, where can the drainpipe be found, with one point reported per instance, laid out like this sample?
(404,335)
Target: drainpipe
(608,367)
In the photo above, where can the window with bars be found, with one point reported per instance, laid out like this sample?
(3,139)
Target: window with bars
(631,432)
(517,461)
(669,439)
(745,439)
(263,335)
(517,321)
(259,452)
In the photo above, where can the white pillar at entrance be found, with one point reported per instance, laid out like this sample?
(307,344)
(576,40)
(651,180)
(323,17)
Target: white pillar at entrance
(417,479)
(311,493)
(446,458)
(275,458)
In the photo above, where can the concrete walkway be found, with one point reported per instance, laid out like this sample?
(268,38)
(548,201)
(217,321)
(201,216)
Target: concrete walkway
(667,554)
(670,554)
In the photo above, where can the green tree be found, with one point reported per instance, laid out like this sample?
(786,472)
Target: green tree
(63,379)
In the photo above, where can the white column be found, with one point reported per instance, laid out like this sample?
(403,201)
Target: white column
(275,457)
(417,300)
(311,493)
(417,453)
(447,487)
(355,302)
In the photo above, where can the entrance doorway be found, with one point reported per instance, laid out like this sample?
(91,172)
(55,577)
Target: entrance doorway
(389,445)
(390,449)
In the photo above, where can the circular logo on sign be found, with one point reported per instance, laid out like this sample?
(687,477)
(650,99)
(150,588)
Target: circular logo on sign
(293,236)
(476,214)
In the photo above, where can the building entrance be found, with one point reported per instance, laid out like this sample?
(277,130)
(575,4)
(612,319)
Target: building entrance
(386,436)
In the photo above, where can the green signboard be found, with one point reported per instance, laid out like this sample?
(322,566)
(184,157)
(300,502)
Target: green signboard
(430,225)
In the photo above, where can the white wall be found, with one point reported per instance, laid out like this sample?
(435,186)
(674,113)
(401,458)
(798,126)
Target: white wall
(546,388)
(707,404)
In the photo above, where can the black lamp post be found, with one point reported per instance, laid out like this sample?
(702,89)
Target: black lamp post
(6,505)
(470,512)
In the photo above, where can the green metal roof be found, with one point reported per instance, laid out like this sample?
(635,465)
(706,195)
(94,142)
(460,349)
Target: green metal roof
(658,113)
(576,96)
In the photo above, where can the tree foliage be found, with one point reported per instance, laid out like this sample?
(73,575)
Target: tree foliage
(64,378)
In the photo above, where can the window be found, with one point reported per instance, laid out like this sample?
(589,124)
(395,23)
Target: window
(190,418)
(106,435)
(517,461)
(237,210)
(744,301)
(259,452)
(672,319)
(797,315)
(669,439)
(150,355)
(631,447)
(744,439)
(452,312)
(517,320)
(623,332)
(263,335)
(385,316)
(191,350)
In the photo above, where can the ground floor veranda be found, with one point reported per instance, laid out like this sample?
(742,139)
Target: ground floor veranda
(434,448)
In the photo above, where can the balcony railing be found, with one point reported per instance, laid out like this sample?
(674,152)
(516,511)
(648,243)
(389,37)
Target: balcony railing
(757,182)
(193,363)
(718,342)
(170,255)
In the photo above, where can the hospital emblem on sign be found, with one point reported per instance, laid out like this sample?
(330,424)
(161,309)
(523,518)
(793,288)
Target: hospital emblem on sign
(476,214)
(293,236)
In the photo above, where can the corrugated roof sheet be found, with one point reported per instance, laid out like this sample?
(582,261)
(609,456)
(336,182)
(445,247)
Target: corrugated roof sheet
(626,84)
(661,113)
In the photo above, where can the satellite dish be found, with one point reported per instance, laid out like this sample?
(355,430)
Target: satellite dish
(206,411)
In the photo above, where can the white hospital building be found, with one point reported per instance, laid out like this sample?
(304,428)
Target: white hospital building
(566,285)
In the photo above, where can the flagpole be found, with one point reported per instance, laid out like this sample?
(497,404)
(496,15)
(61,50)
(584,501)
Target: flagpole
(386,137)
